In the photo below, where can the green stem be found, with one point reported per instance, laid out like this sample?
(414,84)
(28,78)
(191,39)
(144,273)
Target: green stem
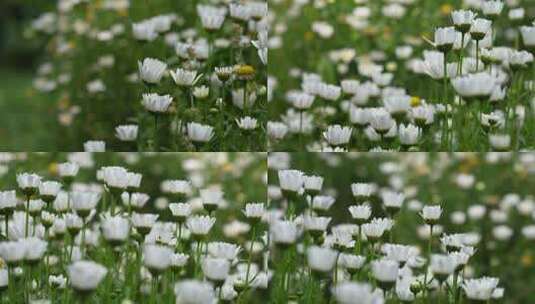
(72,247)
(253,236)
(335,277)
(445,130)
(112,198)
(129,204)
(288,273)
(439,293)
(154,289)
(428,262)
(82,244)
(455,287)
(461,55)
(198,258)
(221,113)
(359,240)
(179,240)
(11,285)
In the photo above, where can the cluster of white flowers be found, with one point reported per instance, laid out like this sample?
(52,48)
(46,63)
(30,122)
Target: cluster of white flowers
(356,239)
(86,233)
(357,92)
(214,53)
(278,227)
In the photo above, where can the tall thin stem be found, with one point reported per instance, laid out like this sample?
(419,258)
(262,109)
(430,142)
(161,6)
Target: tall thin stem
(221,113)
(198,258)
(154,288)
(461,53)
(112,205)
(428,262)
(82,245)
(11,285)
(179,240)
(245,98)
(129,204)
(439,292)
(445,131)
(253,236)
(359,240)
(455,287)
(335,280)
(73,238)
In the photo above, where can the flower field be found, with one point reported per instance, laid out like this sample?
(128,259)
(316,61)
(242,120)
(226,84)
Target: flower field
(403,228)
(292,227)
(154,75)
(151,153)
(128,228)
(402,75)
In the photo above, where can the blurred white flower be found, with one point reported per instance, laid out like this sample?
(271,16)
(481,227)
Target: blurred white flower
(347,292)
(480,289)
(86,275)
(200,225)
(28,181)
(291,180)
(126,132)
(321,259)
(246,123)
(186,78)
(156,257)
(216,269)
(151,70)
(337,135)
(115,229)
(194,292)
(156,103)
(199,133)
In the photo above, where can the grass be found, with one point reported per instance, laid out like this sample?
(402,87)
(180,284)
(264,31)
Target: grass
(26,123)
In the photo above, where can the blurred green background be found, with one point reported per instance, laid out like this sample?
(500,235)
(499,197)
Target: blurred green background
(24,123)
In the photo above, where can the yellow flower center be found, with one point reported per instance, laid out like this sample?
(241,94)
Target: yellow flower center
(245,70)
(415,101)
